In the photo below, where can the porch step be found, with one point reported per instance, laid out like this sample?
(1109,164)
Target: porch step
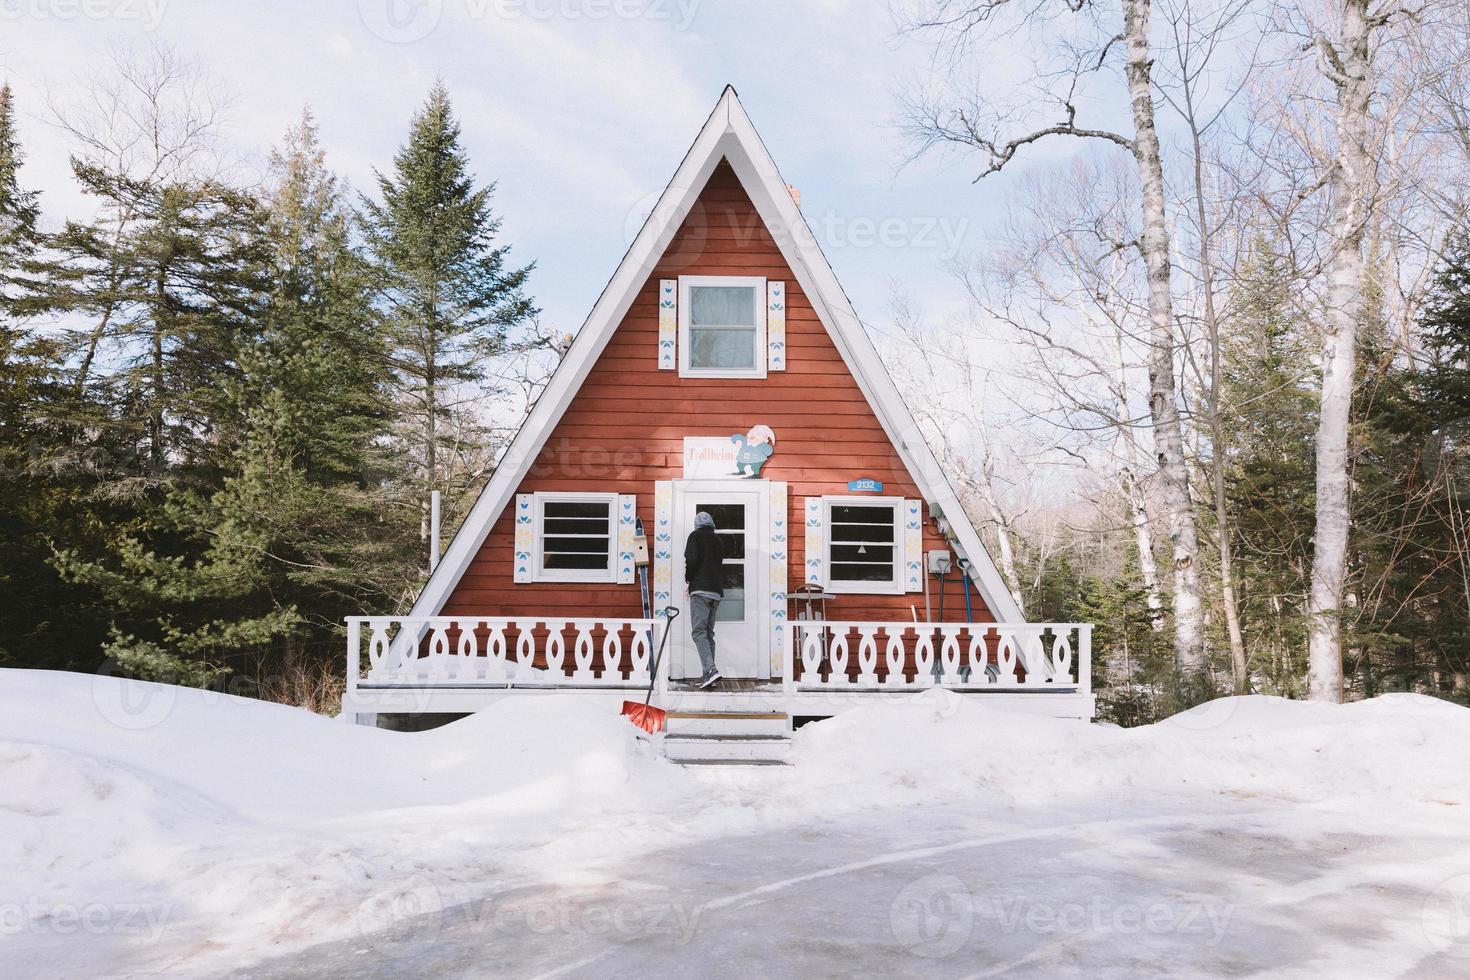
(729,749)
(727,737)
(759,723)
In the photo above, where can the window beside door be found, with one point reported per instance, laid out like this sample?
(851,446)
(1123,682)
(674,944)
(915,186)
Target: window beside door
(864,544)
(575,537)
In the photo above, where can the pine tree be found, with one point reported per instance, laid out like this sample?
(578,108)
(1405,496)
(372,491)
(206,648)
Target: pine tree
(1136,681)
(287,527)
(449,298)
(1268,387)
(174,288)
(171,273)
(32,505)
(1409,626)
(19,209)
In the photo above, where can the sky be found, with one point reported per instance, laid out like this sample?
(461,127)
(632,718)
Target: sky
(579,109)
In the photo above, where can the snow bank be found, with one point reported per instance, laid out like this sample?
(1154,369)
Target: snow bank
(273,762)
(939,745)
(240,828)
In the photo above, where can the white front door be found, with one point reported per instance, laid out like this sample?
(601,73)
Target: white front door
(742,625)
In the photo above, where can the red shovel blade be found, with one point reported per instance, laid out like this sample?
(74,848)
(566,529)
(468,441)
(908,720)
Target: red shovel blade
(645,716)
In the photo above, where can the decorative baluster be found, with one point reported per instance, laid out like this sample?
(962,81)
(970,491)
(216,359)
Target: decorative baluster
(1061,662)
(837,654)
(868,655)
(612,653)
(1033,656)
(640,657)
(378,649)
(811,655)
(582,652)
(496,667)
(924,657)
(1006,657)
(949,653)
(978,656)
(436,665)
(893,656)
(468,655)
(526,650)
(556,651)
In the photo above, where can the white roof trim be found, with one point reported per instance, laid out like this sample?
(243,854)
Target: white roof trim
(727,134)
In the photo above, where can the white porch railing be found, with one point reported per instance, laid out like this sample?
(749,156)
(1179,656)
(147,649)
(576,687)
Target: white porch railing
(829,655)
(447,652)
(488,651)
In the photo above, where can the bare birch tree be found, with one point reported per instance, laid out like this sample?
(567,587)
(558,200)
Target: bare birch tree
(982,125)
(1197,37)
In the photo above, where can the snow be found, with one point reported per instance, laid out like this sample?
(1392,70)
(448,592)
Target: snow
(145,827)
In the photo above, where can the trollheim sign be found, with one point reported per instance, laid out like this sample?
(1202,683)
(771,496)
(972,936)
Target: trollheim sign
(741,454)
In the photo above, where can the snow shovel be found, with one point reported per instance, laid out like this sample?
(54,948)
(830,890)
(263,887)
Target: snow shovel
(645,715)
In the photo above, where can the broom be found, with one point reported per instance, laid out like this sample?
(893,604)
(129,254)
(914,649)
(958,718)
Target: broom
(644,715)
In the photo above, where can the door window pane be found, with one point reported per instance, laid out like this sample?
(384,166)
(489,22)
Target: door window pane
(730,530)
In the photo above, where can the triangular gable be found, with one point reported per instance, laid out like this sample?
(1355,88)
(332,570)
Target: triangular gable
(729,136)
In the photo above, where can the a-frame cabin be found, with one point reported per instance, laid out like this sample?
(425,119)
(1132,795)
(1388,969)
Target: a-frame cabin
(722,370)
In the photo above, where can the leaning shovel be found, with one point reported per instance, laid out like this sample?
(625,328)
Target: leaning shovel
(645,715)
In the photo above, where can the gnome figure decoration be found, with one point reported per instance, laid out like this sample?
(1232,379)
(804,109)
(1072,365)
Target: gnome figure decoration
(756,446)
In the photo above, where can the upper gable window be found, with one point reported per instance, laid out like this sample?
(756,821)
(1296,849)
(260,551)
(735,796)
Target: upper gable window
(722,326)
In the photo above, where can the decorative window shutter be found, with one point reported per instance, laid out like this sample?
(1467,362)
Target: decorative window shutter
(913,545)
(663,546)
(779,537)
(816,543)
(775,326)
(668,323)
(525,536)
(627,515)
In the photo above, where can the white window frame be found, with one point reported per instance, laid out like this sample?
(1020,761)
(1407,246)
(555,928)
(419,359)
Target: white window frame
(538,517)
(686,312)
(895,585)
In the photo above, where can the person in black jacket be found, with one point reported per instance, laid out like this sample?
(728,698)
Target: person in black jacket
(704,580)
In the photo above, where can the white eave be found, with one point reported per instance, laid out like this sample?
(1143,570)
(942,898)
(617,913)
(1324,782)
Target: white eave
(726,135)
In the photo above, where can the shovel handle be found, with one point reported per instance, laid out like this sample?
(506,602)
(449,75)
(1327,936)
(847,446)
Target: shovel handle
(671,613)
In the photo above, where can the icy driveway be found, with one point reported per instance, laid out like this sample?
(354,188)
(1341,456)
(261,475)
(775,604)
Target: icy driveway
(149,830)
(942,891)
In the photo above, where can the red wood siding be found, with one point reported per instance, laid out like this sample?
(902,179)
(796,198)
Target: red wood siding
(625,428)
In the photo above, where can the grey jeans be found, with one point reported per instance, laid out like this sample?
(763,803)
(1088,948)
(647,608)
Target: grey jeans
(702,611)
